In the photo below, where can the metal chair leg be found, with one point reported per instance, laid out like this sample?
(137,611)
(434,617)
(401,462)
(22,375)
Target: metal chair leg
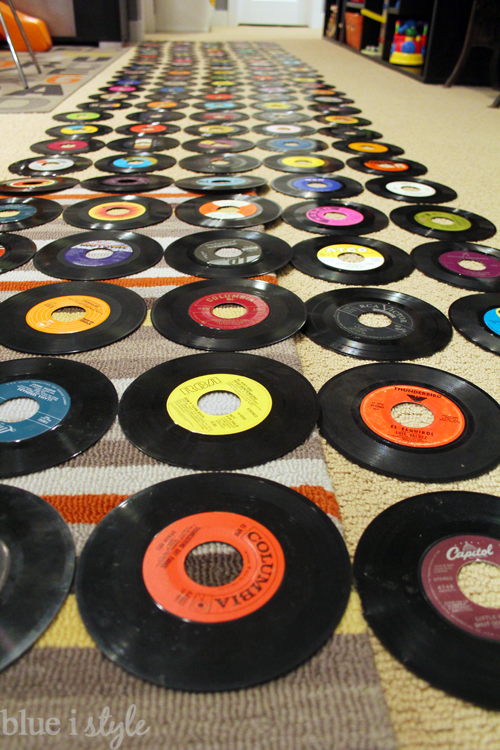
(24,35)
(13,51)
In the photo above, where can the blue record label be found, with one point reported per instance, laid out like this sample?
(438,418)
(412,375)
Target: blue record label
(318,184)
(53,402)
(78,254)
(492,320)
(23,211)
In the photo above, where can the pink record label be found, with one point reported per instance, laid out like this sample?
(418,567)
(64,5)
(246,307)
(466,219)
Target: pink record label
(347,217)
(256,310)
(453,259)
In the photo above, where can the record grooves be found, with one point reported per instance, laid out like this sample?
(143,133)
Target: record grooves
(477,318)
(462,264)
(330,216)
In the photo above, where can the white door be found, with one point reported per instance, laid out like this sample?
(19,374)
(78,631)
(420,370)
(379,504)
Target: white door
(274,12)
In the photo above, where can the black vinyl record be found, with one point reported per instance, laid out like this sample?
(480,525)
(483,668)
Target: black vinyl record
(416,329)
(27,212)
(350,132)
(216,130)
(15,251)
(111,312)
(334,109)
(113,96)
(328,216)
(143,144)
(208,117)
(447,261)
(220,163)
(218,145)
(284,97)
(476,317)
(386,167)
(37,561)
(413,190)
(294,610)
(79,130)
(135,212)
(228,253)
(103,106)
(274,410)
(50,165)
(443,223)
(148,128)
(407,568)
(222,211)
(37,185)
(75,145)
(187,314)
(277,106)
(292,145)
(127,183)
(219,183)
(80,117)
(351,120)
(86,256)
(76,406)
(317,186)
(347,259)
(224,106)
(162,105)
(277,130)
(165,116)
(368,148)
(286,118)
(305,163)
(135,163)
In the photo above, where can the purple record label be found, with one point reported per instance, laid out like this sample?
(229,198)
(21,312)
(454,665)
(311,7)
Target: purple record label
(453,258)
(78,255)
(318,184)
(346,217)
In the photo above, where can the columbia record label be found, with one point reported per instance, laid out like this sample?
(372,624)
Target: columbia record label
(50,165)
(443,223)
(221,211)
(25,213)
(462,264)
(288,582)
(477,317)
(328,216)
(125,212)
(458,440)
(435,538)
(274,411)
(314,186)
(411,191)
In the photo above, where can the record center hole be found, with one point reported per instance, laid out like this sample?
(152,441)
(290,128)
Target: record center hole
(213,564)
(98,253)
(375,320)
(221,162)
(441,220)
(479,581)
(228,252)
(219,403)
(18,409)
(117,211)
(65,314)
(228,210)
(412,415)
(229,310)
(8,212)
(356,258)
(302,162)
(472,265)
(335,216)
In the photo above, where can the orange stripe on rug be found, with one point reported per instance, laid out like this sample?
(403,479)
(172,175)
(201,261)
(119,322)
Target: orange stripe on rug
(20,286)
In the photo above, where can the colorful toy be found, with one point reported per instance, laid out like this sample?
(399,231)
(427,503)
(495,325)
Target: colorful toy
(408,44)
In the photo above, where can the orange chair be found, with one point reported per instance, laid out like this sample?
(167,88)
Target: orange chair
(35,29)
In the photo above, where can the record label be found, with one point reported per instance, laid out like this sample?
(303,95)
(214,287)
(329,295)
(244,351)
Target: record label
(237,252)
(303,161)
(53,405)
(443,220)
(453,260)
(96,311)
(439,578)
(255,406)
(387,166)
(333,256)
(54,164)
(117,211)
(492,320)
(79,254)
(347,317)
(256,310)
(410,189)
(317,184)
(338,216)
(21,212)
(447,426)
(239,209)
(165,577)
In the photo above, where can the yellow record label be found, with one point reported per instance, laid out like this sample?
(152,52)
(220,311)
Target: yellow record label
(182,404)
(96,311)
(303,161)
(337,256)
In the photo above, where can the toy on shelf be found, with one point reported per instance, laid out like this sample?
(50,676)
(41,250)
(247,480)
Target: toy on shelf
(408,44)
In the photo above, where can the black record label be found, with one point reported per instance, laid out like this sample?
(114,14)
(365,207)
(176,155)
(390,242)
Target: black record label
(477,317)
(103,106)
(460,440)
(165,116)
(25,213)
(305,163)
(461,264)
(15,251)
(412,329)
(433,537)
(127,183)
(98,255)
(411,191)
(290,585)
(195,314)
(126,212)
(76,404)
(220,183)
(143,143)
(277,411)
(50,165)
(220,163)
(106,313)
(228,253)
(37,185)
(350,132)
(350,260)
(317,186)
(74,145)
(324,216)
(135,163)
(443,223)
(384,167)
(228,211)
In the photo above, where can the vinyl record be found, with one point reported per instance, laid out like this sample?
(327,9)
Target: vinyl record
(209,106)
(292,145)
(148,128)
(461,264)
(330,216)
(228,253)
(220,163)
(218,116)
(79,116)
(127,183)
(285,118)
(414,190)
(136,616)
(162,105)
(412,329)
(277,106)
(350,260)
(273,97)
(443,223)
(314,186)
(15,251)
(477,317)
(350,132)
(220,183)
(37,185)
(37,560)
(306,163)
(461,442)
(188,314)
(344,119)
(222,211)
(216,130)
(26,213)
(278,130)
(156,116)
(277,411)
(67,146)
(218,145)
(407,567)
(143,144)
(134,212)
(98,256)
(113,96)
(103,106)
(372,148)
(79,130)
(75,405)
(50,165)
(111,312)
(387,167)
(135,163)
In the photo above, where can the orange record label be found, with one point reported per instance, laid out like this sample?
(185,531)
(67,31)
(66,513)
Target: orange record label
(127,210)
(387,166)
(369,148)
(166,580)
(447,426)
(95,312)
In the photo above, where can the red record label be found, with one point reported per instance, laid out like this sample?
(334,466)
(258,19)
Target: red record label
(256,310)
